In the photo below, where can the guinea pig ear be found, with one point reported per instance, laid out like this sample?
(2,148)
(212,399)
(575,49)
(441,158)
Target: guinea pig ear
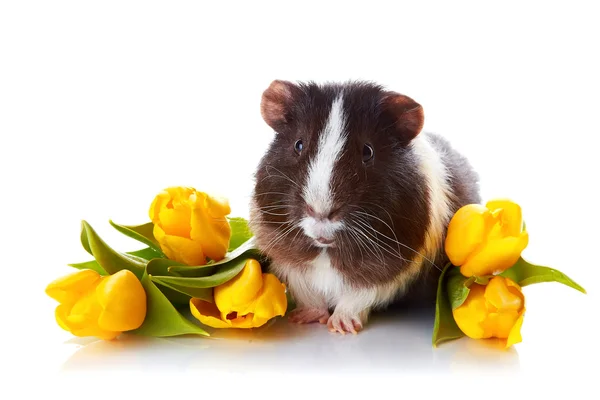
(406,115)
(276,103)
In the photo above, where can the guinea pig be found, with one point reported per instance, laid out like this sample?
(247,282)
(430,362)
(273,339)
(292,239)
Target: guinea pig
(351,201)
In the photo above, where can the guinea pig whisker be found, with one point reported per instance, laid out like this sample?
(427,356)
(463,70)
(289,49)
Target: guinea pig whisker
(296,236)
(382,221)
(266,193)
(271,222)
(379,233)
(279,237)
(274,206)
(276,214)
(376,251)
(389,249)
(379,238)
(365,209)
(284,176)
(384,210)
(352,235)
(360,242)
(411,249)
(271,208)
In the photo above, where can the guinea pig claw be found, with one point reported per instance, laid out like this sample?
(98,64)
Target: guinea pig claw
(344,324)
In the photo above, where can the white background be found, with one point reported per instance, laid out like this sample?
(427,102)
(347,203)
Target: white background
(103,104)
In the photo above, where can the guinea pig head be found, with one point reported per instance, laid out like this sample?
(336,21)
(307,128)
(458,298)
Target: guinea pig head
(341,176)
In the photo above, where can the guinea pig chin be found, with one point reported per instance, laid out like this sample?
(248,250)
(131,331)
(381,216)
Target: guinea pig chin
(321,231)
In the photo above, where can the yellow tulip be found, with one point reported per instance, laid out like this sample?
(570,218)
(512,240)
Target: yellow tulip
(247,301)
(100,306)
(190,225)
(494,310)
(485,240)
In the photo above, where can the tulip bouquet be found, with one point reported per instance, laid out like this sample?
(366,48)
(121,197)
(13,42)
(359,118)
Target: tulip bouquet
(480,290)
(198,265)
(200,268)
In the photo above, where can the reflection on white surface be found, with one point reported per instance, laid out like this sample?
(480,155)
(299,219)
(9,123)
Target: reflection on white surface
(394,341)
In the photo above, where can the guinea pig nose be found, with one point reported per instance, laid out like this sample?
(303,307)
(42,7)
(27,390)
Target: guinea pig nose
(321,216)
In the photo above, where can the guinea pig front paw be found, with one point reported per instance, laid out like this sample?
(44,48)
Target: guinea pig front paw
(343,322)
(307,315)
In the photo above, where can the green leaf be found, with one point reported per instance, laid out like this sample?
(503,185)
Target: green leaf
(224,273)
(246,250)
(160,266)
(84,239)
(240,232)
(525,273)
(457,287)
(147,254)
(162,318)
(142,233)
(177,299)
(444,328)
(93,264)
(110,260)
(205,294)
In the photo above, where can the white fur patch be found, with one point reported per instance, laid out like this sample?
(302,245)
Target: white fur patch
(321,285)
(440,193)
(318,286)
(317,192)
(325,280)
(315,229)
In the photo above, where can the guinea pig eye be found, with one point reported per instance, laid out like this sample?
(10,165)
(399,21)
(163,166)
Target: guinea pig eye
(298,146)
(367,153)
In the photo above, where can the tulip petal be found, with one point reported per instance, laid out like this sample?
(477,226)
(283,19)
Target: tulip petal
(176,221)
(258,321)
(272,300)
(60,315)
(243,321)
(95,331)
(208,314)
(68,288)
(180,249)
(472,313)
(511,215)
(237,294)
(85,311)
(184,213)
(123,302)
(496,256)
(515,333)
(504,294)
(156,205)
(82,318)
(213,233)
(499,324)
(466,231)
(217,207)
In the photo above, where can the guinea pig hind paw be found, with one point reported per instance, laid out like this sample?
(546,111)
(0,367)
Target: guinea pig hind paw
(307,315)
(344,323)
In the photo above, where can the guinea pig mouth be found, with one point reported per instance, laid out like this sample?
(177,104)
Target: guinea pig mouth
(322,233)
(324,242)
